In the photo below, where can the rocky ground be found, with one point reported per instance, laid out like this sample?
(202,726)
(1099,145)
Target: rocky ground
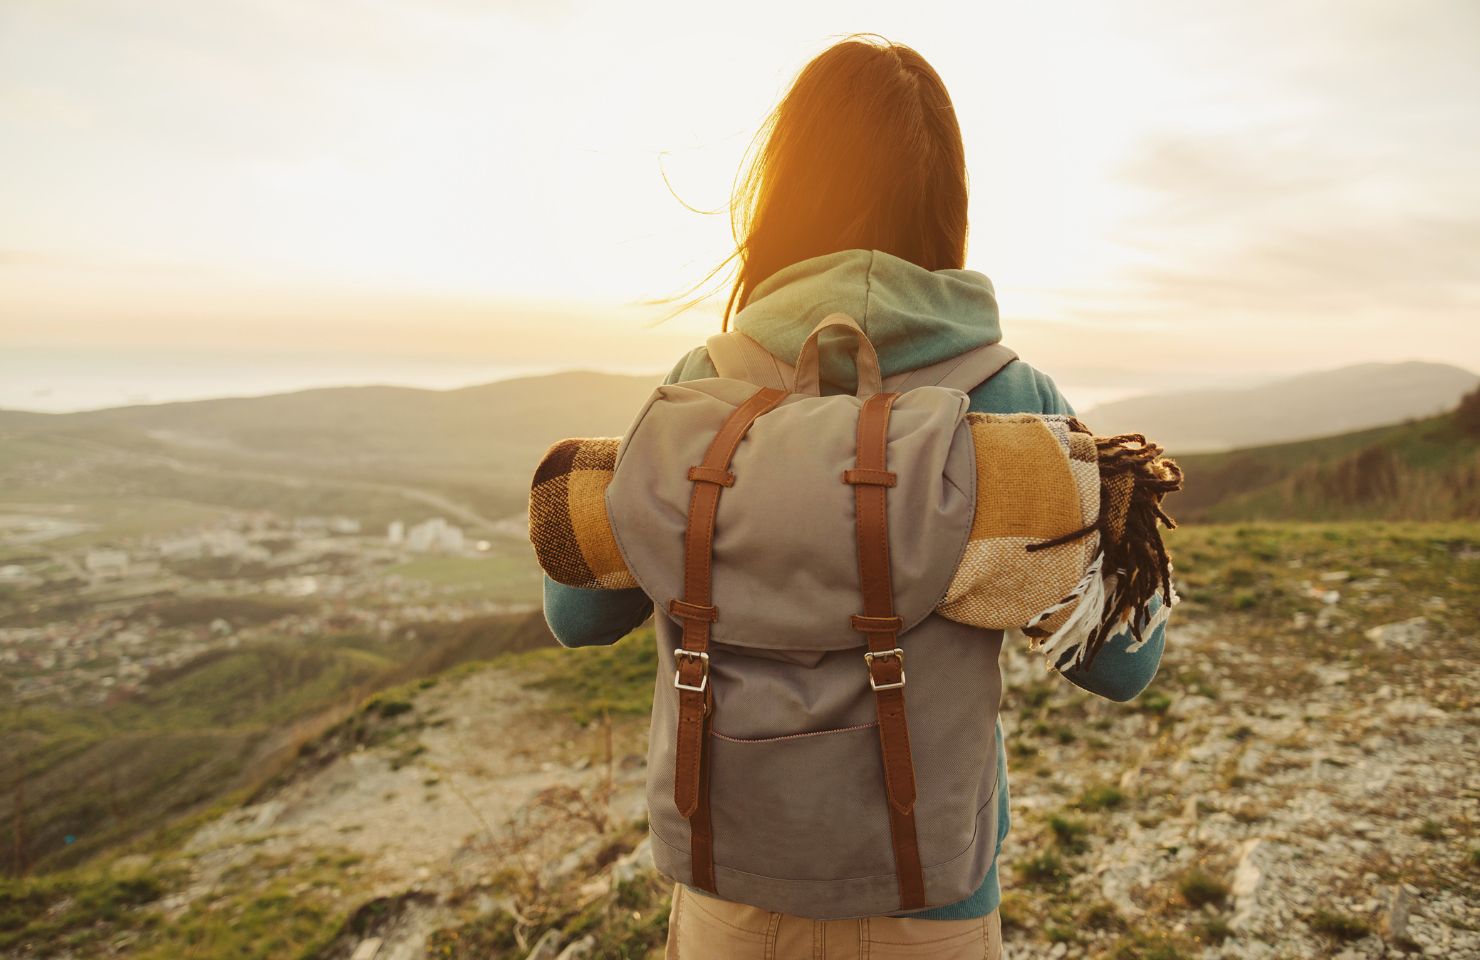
(1299,781)
(463,787)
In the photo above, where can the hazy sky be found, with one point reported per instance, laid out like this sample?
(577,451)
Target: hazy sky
(249,195)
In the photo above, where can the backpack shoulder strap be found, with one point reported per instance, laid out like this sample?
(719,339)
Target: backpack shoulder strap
(738,357)
(965,371)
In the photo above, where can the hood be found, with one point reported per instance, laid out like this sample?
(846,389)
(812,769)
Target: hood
(913,316)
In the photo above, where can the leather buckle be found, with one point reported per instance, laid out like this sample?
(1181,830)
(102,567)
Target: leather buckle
(703,659)
(870,656)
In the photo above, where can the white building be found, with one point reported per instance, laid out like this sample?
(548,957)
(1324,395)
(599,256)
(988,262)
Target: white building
(395,534)
(435,534)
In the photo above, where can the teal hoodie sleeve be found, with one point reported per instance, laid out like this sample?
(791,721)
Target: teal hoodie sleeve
(1115,673)
(589,618)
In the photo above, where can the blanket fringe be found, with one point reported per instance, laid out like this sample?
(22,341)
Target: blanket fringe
(1088,602)
(1131,566)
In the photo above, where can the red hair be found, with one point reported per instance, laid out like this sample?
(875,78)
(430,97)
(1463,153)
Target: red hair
(863,152)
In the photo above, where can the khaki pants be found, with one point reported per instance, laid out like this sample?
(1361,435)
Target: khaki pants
(701,927)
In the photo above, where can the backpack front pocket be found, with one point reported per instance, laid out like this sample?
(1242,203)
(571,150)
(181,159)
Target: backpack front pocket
(806,806)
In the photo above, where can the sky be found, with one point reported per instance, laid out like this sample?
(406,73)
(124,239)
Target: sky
(245,196)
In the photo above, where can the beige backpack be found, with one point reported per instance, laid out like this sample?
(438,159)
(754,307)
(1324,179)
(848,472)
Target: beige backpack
(797,547)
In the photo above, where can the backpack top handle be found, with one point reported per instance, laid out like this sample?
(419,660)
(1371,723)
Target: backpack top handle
(808,377)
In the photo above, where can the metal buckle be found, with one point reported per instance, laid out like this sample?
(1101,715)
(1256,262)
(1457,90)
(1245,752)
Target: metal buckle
(703,659)
(869,658)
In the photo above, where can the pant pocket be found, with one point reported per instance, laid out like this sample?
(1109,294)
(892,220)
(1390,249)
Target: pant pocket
(706,928)
(903,938)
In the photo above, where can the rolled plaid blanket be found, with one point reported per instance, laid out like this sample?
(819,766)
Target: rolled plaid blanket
(1067,595)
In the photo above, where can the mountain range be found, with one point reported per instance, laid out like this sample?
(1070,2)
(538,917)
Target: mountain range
(469,452)
(1301,407)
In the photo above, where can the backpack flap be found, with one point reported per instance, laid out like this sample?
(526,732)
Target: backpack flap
(785,568)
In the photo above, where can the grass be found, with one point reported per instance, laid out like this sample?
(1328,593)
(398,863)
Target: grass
(1199,888)
(1422,470)
(1069,834)
(1043,870)
(1150,945)
(588,682)
(1338,926)
(1100,797)
(273,907)
(61,909)
(1154,701)
(506,574)
(627,922)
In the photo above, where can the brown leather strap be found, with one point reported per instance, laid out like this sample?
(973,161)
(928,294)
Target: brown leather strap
(885,659)
(694,610)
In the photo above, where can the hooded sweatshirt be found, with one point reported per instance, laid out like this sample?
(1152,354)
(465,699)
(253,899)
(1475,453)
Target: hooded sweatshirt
(913,317)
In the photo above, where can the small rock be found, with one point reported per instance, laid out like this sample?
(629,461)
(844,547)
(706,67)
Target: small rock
(579,950)
(546,947)
(1400,905)
(1187,706)
(1060,949)
(1245,886)
(1249,763)
(1405,634)
(1412,709)
(1335,576)
(1246,874)
(636,863)
(1332,676)
(367,950)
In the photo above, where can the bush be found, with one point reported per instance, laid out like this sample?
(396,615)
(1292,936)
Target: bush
(1339,926)
(1069,834)
(1101,797)
(1199,888)
(1044,870)
(1467,417)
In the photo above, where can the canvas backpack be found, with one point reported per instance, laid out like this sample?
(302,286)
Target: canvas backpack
(822,739)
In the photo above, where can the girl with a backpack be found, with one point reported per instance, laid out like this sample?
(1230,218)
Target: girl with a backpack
(856,204)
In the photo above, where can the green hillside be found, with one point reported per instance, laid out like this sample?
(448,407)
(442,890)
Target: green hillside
(1420,470)
(223,723)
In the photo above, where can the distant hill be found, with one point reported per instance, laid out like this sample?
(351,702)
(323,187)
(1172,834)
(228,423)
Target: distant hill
(1309,405)
(1425,469)
(476,446)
